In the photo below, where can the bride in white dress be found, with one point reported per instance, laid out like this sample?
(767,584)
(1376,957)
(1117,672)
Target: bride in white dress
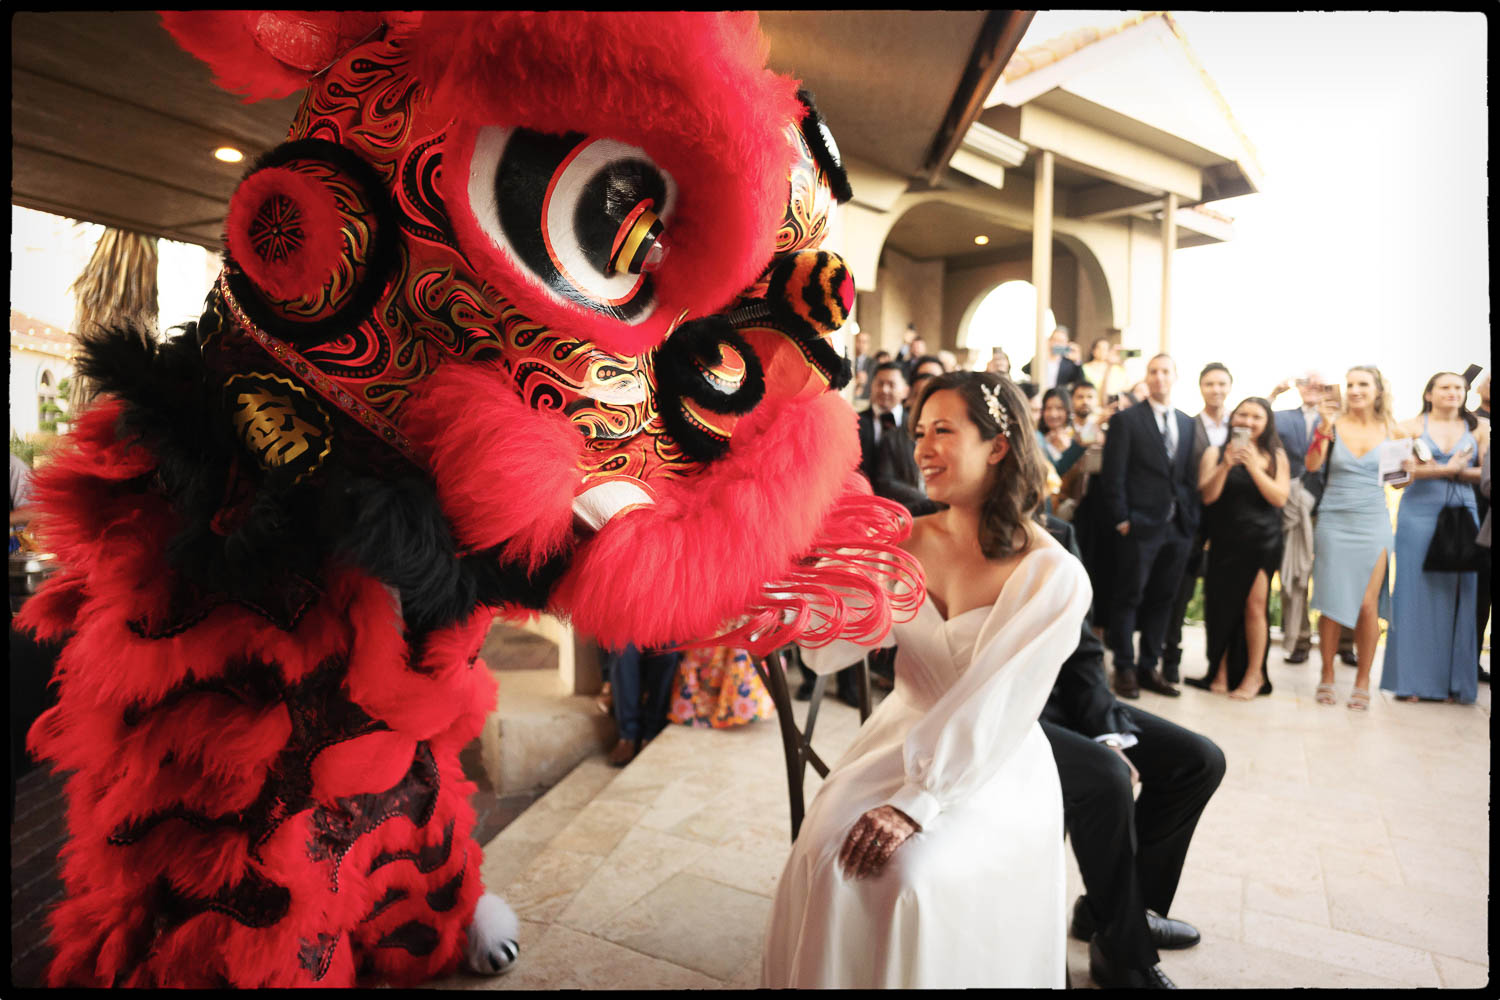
(933,854)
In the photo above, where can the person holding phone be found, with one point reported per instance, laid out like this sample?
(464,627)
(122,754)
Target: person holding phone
(1244,486)
(1352,539)
(1431,645)
(1059,370)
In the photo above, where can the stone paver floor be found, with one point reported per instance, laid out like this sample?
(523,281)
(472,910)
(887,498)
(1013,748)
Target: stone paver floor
(1342,850)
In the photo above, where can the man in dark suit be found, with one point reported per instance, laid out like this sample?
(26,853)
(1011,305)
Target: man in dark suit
(1061,370)
(1152,497)
(1210,430)
(885,448)
(1130,851)
(886,459)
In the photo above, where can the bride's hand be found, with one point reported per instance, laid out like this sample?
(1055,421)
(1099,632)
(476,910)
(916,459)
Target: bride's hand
(873,839)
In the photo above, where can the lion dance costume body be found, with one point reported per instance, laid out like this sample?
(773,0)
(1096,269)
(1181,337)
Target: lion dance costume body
(526,314)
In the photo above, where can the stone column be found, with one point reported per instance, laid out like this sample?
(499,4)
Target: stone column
(1168,245)
(1041,260)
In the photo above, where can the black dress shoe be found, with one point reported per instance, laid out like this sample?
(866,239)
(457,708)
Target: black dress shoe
(804,690)
(1127,685)
(1296,656)
(1484,676)
(1166,934)
(1171,935)
(1108,975)
(1348,658)
(1152,680)
(1082,927)
(1169,673)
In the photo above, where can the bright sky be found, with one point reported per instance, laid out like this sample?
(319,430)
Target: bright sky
(1369,240)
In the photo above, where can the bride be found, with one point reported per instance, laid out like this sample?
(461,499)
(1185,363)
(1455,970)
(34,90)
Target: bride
(933,854)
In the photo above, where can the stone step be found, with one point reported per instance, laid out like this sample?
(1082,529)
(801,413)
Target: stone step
(538,733)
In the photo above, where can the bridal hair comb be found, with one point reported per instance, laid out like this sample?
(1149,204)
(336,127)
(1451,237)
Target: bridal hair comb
(997,408)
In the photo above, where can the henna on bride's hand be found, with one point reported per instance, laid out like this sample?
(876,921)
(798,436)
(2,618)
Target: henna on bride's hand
(873,839)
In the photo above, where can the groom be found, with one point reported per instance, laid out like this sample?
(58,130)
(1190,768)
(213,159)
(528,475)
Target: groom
(1130,851)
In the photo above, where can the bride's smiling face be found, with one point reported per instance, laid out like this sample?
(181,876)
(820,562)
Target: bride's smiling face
(955,461)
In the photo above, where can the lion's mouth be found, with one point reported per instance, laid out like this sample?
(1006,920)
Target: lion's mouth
(602,502)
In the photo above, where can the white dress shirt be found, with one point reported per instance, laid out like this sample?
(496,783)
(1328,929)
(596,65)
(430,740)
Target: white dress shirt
(1166,416)
(1218,430)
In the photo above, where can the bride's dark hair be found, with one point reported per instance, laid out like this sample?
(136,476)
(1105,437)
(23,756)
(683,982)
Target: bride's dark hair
(1017,486)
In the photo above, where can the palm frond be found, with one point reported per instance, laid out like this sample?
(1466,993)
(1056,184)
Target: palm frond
(117,288)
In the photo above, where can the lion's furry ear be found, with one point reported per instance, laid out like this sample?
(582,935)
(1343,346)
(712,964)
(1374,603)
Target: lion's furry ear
(267,54)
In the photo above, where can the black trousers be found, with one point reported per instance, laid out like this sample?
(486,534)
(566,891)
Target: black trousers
(1148,565)
(1130,851)
(1171,656)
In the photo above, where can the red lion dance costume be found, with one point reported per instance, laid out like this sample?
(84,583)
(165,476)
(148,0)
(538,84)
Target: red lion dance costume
(526,313)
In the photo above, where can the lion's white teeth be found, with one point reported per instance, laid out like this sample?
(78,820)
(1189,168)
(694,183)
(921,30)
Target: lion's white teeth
(596,505)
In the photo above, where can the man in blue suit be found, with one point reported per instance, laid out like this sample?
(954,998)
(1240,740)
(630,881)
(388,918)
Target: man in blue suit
(1151,493)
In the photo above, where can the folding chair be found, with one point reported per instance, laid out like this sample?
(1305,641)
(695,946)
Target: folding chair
(796,745)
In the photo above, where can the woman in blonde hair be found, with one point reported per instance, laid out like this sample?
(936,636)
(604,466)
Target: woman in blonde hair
(1352,539)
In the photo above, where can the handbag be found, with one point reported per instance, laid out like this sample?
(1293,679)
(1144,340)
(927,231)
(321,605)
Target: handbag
(1316,482)
(1453,548)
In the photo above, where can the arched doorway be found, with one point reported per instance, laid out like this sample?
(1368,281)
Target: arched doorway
(1004,317)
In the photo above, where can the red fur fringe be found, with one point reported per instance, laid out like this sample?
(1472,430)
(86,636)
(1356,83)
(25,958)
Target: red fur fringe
(852,584)
(132,753)
(675,572)
(506,473)
(688,88)
(268,54)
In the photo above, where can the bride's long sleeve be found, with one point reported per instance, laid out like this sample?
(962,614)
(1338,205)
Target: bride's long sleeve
(979,722)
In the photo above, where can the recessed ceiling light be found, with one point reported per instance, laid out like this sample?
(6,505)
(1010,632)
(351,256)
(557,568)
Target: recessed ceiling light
(981,240)
(228,154)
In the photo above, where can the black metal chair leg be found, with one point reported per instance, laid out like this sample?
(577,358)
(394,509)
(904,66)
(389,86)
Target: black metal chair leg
(775,680)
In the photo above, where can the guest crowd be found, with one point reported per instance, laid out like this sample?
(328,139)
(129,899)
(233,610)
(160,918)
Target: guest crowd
(1245,500)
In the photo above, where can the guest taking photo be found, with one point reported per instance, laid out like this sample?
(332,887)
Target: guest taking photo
(1244,485)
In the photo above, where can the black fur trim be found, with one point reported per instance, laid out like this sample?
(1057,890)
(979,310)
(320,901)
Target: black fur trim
(393,530)
(681,365)
(384,255)
(396,532)
(825,152)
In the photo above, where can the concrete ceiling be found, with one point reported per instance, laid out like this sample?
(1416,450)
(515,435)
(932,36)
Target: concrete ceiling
(113,123)
(936,230)
(883,79)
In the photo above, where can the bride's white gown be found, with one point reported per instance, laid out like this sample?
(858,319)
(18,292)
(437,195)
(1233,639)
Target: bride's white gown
(976,899)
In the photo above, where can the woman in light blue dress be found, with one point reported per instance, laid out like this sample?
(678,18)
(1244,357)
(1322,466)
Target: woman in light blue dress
(1431,645)
(1352,535)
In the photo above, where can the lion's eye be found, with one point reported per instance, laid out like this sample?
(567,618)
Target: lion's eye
(586,217)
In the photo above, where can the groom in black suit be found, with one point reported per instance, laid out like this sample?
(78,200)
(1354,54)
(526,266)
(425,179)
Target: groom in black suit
(1130,851)
(1151,492)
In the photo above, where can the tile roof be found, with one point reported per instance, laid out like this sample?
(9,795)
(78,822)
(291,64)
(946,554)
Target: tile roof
(1054,50)
(1051,51)
(26,331)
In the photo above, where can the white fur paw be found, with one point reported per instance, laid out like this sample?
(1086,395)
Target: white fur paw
(494,937)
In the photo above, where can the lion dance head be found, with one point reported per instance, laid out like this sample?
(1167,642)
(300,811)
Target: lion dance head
(566,270)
